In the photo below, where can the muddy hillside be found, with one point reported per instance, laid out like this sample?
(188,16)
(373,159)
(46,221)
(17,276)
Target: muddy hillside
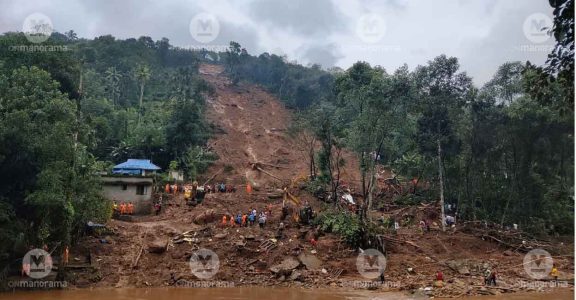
(253,146)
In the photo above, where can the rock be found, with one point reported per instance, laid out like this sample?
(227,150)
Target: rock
(310,261)
(460,266)
(157,247)
(220,236)
(205,217)
(286,266)
(296,275)
(508,253)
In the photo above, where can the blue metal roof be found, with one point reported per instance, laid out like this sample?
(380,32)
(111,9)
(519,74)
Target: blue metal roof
(137,164)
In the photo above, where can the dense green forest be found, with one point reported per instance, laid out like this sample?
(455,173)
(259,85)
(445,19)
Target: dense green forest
(505,150)
(68,115)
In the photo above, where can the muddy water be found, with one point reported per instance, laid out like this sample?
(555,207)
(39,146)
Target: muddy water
(191,293)
(245,294)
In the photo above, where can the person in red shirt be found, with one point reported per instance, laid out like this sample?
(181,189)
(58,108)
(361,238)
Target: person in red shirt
(439,276)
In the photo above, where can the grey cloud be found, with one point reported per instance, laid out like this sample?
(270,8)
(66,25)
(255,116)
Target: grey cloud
(308,18)
(325,55)
(505,42)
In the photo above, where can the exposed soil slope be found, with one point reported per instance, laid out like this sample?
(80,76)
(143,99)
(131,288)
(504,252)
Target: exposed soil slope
(253,129)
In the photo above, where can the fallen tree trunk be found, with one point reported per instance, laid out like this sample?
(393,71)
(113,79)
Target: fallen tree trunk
(212,177)
(271,175)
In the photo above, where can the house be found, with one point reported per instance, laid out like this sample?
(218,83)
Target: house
(136,167)
(131,181)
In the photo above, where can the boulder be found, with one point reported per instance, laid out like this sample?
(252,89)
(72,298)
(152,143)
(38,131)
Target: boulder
(220,236)
(157,247)
(286,266)
(460,266)
(310,261)
(208,216)
(296,275)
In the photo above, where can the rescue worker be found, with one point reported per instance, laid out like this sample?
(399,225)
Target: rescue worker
(487,275)
(224,220)
(554,272)
(251,218)
(244,220)
(439,282)
(313,242)
(157,207)
(422,226)
(280,231)
(231,220)
(167,188)
(66,255)
(115,206)
(122,208)
(248,189)
(239,218)
(130,208)
(492,278)
(262,220)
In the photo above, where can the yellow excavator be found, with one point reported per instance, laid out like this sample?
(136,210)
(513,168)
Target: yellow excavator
(300,213)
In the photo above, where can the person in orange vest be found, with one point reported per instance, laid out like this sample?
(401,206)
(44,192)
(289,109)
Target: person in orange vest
(248,189)
(231,221)
(244,219)
(122,208)
(224,220)
(66,255)
(130,208)
(167,189)
(175,188)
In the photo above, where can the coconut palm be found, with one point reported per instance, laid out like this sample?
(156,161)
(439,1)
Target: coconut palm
(142,74)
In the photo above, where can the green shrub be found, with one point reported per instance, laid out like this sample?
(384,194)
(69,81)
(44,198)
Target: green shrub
(344,224)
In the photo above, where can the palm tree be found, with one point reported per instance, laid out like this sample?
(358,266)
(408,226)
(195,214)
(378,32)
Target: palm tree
(142,74)
(113,78)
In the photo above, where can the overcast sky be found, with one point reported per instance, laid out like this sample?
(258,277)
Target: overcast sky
(482,34)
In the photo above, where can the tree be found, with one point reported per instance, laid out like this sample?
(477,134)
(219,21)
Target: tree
(142,74)
(233,54)
(541,81)
(443,92)
(113,78)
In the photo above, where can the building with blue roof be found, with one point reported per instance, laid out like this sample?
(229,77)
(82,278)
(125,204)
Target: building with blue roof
(132,166)
(130,182)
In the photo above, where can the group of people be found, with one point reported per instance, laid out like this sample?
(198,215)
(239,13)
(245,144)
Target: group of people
(208,188)
(123,208)
(246,219)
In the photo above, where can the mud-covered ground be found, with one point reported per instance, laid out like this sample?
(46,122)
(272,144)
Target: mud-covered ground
(252,127)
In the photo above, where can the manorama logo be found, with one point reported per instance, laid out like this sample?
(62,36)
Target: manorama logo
(37,263)
(370,28)
(371,263)
(204,27)
(536,27)
(37,28)
(204,263)
(538,263)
